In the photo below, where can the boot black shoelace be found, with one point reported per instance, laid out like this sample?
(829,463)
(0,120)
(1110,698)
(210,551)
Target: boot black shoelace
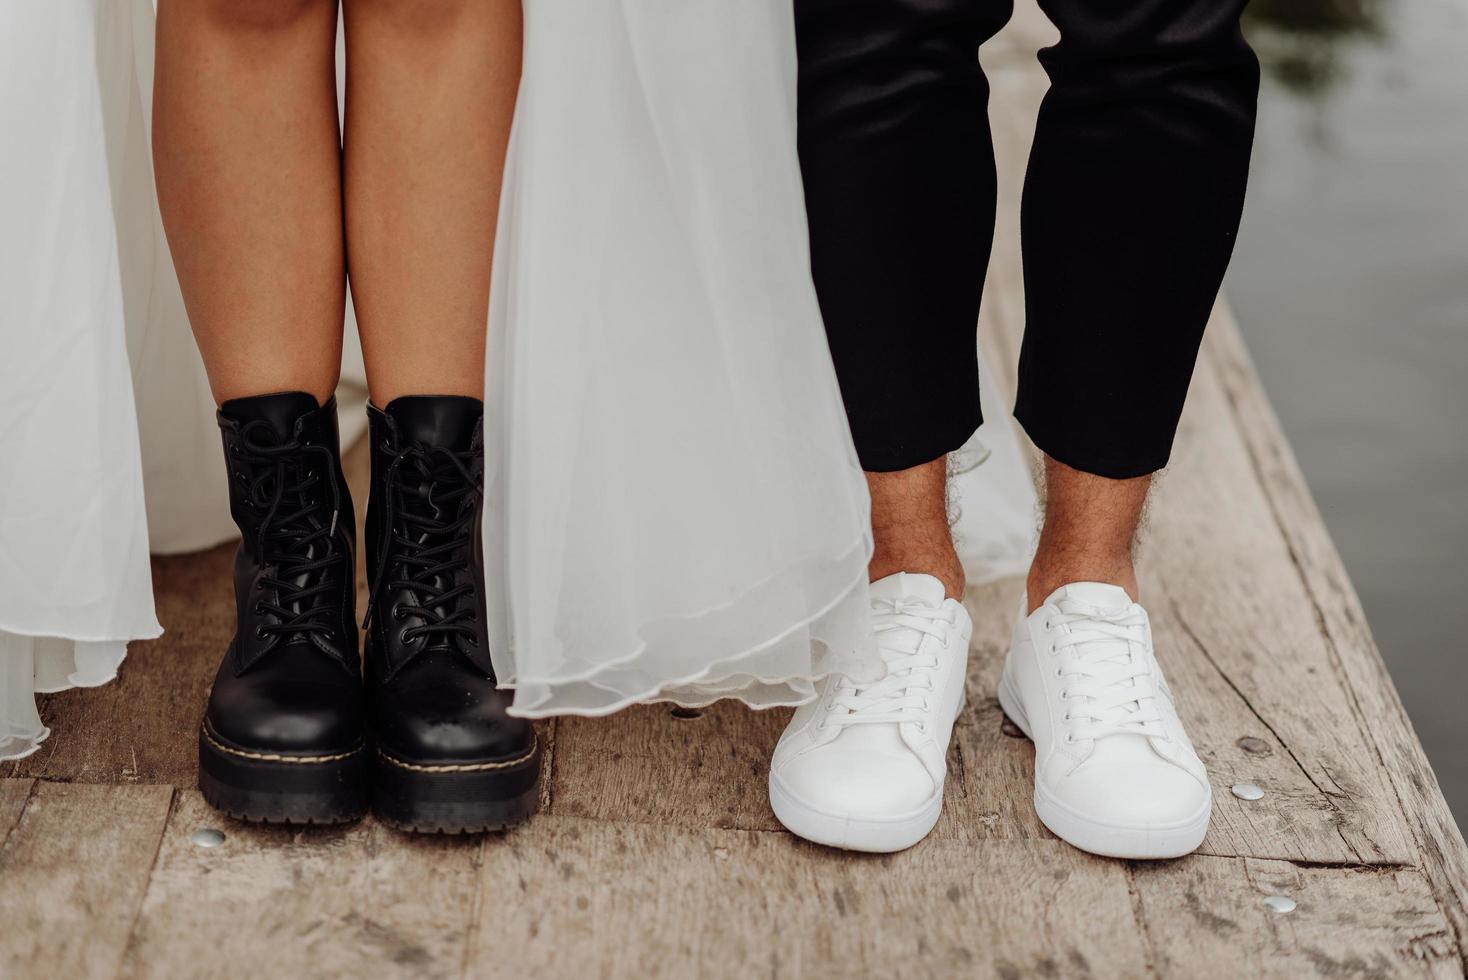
(431,493)
(295,543)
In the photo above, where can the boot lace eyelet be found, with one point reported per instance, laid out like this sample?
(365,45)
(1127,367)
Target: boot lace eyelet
(397,611)
(259,632)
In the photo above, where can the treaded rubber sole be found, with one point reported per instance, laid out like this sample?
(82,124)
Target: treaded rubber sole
(456,798)
(1151,843)
(262,787)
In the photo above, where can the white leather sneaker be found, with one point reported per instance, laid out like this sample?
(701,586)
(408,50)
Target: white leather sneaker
(863,767)
(1115,773)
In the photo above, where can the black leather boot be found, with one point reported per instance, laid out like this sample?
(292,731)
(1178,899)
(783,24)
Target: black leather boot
(284,737)
(450,759)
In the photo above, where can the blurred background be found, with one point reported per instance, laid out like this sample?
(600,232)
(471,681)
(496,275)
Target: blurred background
(1350,282)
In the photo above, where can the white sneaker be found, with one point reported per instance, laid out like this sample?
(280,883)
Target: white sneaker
(863,767)
(1115,773)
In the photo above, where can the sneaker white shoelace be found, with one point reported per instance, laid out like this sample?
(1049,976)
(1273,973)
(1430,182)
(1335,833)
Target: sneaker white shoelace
(903,695)
(1109,684)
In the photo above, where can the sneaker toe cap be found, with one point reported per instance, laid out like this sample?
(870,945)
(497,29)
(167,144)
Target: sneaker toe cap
(1154,795)
(861,785)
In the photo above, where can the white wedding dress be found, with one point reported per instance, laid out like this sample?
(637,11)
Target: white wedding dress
(673,507)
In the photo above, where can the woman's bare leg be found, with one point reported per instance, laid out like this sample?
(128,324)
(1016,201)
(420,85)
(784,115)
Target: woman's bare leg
(430,92)
(249,180)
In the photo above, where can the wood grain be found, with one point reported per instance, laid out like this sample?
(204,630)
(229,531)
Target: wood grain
(652,764)
(1373,700)
(72,876)
(1244,652)
(363,900)
(591,898)
(1206,917)
(14,794)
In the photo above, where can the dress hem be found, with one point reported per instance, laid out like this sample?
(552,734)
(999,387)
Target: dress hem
(661,693)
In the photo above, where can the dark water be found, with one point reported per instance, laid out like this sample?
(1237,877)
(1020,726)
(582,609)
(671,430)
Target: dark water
(1351,284)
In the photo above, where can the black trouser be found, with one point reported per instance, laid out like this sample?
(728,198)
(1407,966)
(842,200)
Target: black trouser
(1131,202)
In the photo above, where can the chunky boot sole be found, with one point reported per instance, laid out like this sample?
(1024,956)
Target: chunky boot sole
(262,787)
(456,798)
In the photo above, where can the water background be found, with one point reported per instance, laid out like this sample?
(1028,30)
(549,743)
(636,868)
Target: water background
(1350,283)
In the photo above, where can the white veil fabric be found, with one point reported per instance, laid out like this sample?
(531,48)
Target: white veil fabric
(73,542)
(673,509)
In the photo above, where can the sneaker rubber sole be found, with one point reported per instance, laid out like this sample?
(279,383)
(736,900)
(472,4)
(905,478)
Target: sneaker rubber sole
(883,835)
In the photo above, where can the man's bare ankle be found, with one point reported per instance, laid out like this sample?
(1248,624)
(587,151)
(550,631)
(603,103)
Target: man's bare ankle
(910,526)
(1044,580)
(950,573)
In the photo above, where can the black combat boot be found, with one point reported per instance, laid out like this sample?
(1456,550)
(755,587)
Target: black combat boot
(284,737)
(450,759)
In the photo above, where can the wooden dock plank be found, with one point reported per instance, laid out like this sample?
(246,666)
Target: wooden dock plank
(1206,917)
(650,764)
(363,900)
(14,793)
(72,876)
(572,897)
(989,772)
(1230,607)
(1441,852)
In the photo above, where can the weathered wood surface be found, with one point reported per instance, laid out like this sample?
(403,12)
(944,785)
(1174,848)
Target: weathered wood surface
(1438,841)
(656,853)
(599,898)
(1206,916)
(73,871)
(360,901)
